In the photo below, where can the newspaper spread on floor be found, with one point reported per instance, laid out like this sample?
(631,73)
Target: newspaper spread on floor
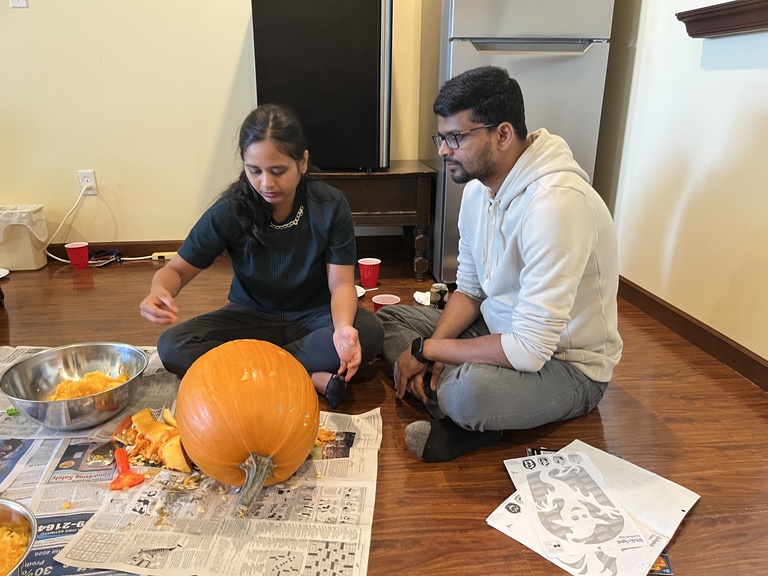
(317,522)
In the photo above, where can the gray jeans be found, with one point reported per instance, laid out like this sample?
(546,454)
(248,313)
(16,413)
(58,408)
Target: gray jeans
(482,397)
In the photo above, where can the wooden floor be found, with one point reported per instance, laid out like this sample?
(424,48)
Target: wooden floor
(671,409)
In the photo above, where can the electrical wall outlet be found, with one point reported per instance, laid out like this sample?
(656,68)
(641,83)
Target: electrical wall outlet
(163,255)
(87,179)
(19,4)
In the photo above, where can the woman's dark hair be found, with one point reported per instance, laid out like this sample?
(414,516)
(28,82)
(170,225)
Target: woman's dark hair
(489,94)
(279,125)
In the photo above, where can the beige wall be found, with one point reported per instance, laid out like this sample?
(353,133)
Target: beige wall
(690,167)
(406,34)
(150,95)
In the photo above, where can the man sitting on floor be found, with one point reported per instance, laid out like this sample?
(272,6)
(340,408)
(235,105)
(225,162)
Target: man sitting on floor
(530,334)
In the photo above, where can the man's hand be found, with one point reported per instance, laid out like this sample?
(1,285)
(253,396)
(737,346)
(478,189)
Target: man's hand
(409,374)
(437,369)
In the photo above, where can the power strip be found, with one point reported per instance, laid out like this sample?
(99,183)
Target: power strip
(163,255)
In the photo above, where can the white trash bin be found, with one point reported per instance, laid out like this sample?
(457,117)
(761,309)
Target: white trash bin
(23,234)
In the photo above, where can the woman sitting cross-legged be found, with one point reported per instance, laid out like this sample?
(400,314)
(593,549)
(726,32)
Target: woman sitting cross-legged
(292,246)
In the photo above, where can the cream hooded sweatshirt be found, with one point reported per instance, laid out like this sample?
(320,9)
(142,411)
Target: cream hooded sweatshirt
(542,257)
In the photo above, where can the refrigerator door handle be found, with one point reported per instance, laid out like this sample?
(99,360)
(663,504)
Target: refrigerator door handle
(543,47)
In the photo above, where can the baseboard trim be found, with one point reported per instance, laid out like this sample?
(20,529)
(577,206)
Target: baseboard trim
(369,245)
(730,353)
(127,249)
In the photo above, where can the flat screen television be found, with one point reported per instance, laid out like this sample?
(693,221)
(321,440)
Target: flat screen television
(330,61)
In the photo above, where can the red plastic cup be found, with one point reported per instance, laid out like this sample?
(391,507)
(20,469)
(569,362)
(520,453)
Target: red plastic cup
(369,272)
(78,254)
(384,300)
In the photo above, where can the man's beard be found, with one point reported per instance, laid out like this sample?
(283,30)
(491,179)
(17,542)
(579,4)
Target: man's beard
(483,168)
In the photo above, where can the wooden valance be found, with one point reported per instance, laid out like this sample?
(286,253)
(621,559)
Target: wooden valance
(725,19)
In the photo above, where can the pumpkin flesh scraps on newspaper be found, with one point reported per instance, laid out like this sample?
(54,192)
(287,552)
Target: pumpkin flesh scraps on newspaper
(148,441)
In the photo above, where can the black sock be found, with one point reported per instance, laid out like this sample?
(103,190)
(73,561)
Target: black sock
(335,391)
(447,440)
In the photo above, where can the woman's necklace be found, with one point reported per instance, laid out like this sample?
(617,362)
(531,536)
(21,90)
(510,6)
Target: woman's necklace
(293,222)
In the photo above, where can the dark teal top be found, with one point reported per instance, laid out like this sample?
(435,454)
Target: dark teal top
(290,274)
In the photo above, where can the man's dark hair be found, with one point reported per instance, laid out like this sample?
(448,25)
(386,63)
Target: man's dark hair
(489,94)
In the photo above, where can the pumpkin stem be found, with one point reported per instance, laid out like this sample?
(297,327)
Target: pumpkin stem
(257,469)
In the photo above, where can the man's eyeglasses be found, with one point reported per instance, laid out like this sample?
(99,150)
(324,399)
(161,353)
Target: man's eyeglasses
(452,139)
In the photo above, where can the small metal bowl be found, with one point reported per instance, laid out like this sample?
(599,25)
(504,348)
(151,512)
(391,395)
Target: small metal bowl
(31,381)
(18,517)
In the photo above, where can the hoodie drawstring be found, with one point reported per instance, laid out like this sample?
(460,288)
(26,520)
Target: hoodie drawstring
(491,212)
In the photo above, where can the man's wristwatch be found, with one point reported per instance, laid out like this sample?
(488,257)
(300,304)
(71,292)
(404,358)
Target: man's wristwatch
(417,350)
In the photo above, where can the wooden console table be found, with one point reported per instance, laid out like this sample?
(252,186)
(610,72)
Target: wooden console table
(400,196)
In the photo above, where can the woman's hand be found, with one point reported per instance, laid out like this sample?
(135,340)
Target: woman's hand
(347,344)
(159,307)
(341,283)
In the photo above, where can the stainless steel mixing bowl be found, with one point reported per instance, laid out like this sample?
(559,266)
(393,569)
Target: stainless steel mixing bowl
(18,518)
(31,381)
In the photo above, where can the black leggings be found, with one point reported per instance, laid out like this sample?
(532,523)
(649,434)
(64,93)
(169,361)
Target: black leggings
(307,335)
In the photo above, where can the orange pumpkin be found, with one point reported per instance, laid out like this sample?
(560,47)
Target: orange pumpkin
(248,415)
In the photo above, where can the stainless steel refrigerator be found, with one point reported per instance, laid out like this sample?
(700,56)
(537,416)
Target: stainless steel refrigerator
(558,52)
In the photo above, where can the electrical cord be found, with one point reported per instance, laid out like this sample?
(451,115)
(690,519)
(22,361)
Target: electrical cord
(113,255)
(82,191)
(137,258)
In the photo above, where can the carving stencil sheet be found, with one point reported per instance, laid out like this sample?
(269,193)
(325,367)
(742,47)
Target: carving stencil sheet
(514,520)
(575,511)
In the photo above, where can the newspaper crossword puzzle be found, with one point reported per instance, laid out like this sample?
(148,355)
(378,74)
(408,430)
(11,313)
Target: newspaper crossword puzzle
(322,559)
(95,547)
